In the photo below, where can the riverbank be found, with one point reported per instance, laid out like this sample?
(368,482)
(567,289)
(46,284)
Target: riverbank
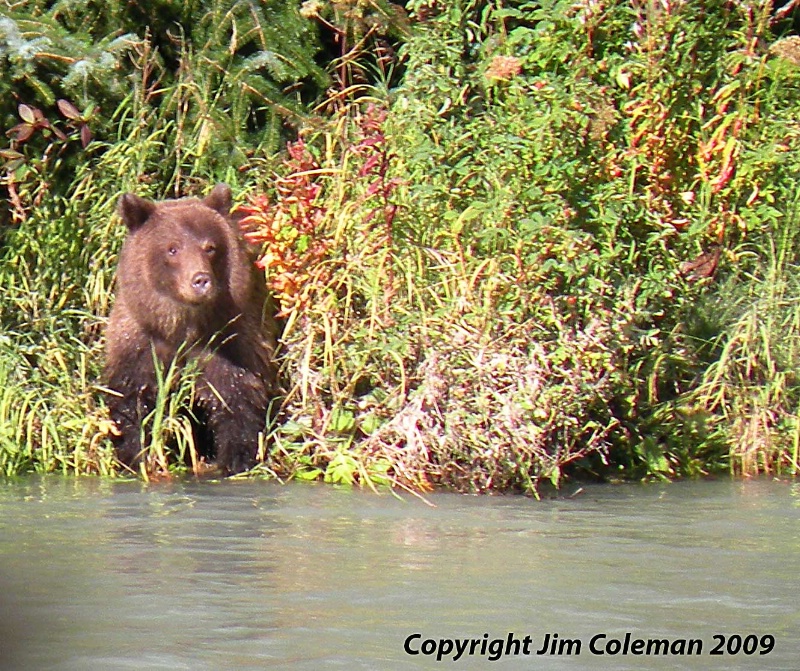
(561,243)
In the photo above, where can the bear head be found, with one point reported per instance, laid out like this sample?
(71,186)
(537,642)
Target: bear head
(182,265)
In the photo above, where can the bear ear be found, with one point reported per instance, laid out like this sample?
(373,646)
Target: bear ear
(219,199)
(134,210)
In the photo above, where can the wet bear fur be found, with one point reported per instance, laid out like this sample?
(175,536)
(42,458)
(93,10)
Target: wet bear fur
(186,289)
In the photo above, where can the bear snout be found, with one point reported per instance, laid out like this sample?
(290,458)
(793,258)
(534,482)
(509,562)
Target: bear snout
(203,284)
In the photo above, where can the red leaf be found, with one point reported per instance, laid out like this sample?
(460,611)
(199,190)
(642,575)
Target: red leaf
(369,164)
(86,135)
(370,141)
(68,109)
(26,113)
(23,131)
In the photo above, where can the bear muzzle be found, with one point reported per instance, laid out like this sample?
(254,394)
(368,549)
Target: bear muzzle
(203,285)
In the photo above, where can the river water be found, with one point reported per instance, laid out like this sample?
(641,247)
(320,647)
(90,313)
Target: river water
(97,574)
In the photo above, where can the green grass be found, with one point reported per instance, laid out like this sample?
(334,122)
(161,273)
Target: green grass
(752,385)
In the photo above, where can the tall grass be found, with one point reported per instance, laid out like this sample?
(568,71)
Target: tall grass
(751,387)
(564,245)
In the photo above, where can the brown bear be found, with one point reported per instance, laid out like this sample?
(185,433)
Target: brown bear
(186,289)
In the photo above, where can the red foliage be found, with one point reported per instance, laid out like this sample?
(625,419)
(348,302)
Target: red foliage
(291,227)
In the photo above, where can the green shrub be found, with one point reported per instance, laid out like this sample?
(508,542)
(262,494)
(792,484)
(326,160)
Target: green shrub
(571,187)
(214,82)
(593,151)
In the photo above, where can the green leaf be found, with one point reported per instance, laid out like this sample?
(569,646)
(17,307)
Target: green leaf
(308,474)
(342,469)
(370,423)
(342,421)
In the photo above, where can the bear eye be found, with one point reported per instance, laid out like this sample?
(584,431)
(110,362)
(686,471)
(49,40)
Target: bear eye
(173,250)
(209,248)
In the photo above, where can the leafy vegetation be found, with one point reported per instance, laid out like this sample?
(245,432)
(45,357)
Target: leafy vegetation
(553,239)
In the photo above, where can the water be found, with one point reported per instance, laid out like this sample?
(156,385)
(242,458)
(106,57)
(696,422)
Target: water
(247,575)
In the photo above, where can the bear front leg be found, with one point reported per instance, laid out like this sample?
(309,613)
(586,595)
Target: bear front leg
(236,437)
(127,412)
(134,384)
(235,401)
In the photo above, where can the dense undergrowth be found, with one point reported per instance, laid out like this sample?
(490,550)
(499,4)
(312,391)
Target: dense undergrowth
(562,243)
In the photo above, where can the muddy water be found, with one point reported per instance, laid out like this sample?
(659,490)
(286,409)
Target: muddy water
(242,575)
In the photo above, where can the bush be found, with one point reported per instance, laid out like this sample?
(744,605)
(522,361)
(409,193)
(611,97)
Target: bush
(570,186)
(563,244)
